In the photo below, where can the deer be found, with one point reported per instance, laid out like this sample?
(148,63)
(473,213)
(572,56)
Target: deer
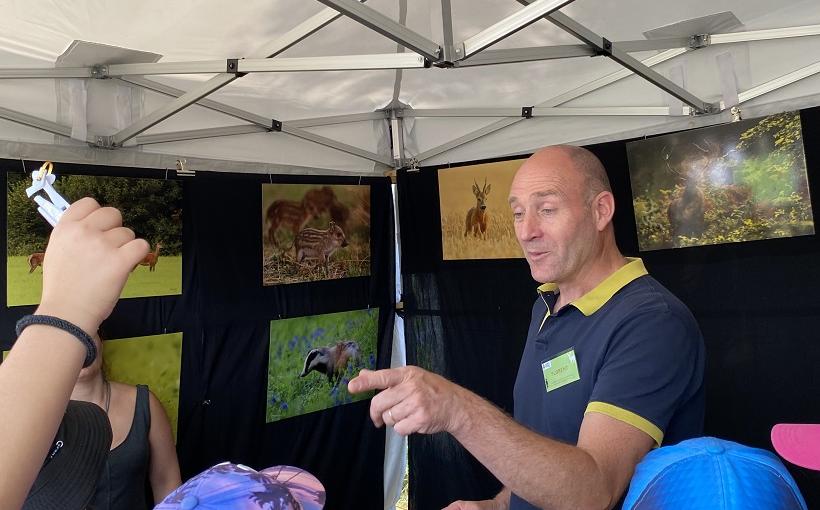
(477,217)
(34,260)
(150,260)
(686,211)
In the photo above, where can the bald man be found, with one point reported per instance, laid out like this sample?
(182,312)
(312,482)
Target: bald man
(612,367)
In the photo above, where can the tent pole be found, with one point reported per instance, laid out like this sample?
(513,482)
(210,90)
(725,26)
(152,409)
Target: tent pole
(601,44)
(554,101)
(287,40)
(511,24)
(451,54)
(322,140)
(36,122)
(387,27)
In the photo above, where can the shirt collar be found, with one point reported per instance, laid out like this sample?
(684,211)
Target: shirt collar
(593,300)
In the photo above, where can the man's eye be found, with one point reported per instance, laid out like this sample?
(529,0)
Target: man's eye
(518,215)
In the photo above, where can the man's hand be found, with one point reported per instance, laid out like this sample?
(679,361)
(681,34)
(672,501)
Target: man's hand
(87,262)
(414,400)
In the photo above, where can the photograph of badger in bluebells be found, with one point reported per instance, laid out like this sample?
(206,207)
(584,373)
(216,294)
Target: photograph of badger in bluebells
(311,360)
(314,232)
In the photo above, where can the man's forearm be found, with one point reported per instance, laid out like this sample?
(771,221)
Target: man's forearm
(547,473)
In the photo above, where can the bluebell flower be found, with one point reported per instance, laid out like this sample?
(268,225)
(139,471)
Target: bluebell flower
(372,360)
(284,406)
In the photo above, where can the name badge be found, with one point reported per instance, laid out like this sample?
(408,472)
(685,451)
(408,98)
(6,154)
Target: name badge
(560,370)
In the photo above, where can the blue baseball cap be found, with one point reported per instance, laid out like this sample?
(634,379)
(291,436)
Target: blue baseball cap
(707,473)
(234,486)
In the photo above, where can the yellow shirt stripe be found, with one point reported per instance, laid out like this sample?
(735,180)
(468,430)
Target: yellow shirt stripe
(637,421)
(593,300)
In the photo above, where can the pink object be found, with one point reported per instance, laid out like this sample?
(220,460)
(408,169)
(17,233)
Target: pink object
(798,443)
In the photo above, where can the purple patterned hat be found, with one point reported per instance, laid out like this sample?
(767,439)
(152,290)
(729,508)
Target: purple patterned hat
(234,486)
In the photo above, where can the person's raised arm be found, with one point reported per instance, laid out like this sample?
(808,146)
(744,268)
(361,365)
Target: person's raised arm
(87,262)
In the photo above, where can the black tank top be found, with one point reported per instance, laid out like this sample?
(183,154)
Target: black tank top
(122,483)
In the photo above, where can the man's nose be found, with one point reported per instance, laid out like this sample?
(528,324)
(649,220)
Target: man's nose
(528,227)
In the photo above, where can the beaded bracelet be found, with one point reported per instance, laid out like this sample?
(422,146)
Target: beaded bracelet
(68,327)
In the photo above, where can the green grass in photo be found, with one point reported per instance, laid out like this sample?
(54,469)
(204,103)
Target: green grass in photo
(151,360)
(290,342)
(25,288)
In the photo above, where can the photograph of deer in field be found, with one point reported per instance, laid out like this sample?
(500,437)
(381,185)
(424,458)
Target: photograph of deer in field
(152,360)
(314,232)
(311,359)
(476,222)
(735,182)
(150,207)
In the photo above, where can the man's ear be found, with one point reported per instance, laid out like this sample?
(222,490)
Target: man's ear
(603,208)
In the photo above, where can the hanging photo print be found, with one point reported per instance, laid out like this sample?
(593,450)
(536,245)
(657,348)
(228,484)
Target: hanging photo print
(476,222)
(312,232)
(311,360)
(152,208)
(151,360)
(736,182)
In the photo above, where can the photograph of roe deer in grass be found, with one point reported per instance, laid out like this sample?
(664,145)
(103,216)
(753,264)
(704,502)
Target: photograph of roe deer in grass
(152,208)
(476,222)
(311,359)
(735,182)
(314,232)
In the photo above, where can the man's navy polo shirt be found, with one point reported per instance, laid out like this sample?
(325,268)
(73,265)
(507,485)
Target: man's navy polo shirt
(640,358)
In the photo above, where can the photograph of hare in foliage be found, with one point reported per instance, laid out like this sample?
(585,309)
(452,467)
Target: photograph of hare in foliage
(311,359)
(150,207)
(737,182)
(314,232)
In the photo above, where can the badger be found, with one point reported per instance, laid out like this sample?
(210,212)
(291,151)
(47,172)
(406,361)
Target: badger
(331,360)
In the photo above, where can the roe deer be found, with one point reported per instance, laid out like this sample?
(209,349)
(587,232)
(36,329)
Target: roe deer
(319,245)
(34,260)
(477,217)
(150,260)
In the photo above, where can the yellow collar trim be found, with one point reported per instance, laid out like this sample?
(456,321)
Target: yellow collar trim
(593,300)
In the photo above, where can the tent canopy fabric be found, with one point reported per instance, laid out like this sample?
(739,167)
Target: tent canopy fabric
(438,104)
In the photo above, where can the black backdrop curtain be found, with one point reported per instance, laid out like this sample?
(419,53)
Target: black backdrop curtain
(756,303)
(224,313)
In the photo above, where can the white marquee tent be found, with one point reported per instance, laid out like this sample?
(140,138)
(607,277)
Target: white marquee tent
(96,82)
(342,86)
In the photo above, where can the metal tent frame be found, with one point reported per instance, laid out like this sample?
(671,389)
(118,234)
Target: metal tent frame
(423,52)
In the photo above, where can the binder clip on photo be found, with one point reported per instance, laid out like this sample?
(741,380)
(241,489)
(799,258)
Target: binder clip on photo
(42,180)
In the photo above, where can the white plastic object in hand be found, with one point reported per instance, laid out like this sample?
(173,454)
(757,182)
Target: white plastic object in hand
(42,180)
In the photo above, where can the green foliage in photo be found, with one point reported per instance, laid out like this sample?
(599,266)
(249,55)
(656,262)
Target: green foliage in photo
(290,342)
(754,187)
(151,360)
